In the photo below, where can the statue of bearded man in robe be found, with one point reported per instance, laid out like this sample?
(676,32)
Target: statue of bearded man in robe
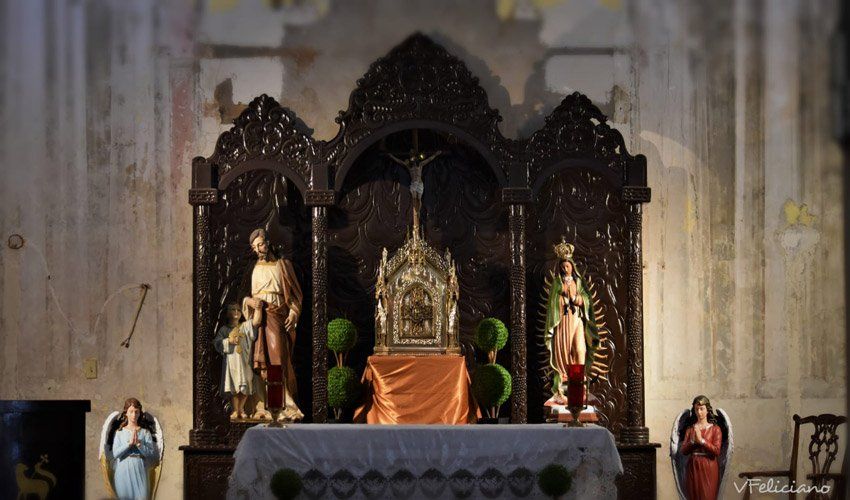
(273,282)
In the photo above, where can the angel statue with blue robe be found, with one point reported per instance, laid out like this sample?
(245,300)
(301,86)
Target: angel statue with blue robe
(131,452)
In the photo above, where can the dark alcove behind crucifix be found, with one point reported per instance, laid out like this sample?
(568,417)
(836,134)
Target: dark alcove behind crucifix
(461,211)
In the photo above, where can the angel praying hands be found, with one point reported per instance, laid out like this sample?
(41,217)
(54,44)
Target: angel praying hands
(131,448)
(701,446)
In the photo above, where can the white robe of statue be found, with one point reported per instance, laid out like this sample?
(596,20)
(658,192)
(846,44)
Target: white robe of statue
(238,375)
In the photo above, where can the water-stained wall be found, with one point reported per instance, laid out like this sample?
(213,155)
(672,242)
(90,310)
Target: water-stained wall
(105,103)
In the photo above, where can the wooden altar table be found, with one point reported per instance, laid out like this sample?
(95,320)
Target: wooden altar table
(425,461)
(416,390)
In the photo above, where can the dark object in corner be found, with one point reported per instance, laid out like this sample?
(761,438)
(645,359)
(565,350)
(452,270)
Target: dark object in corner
(33,461)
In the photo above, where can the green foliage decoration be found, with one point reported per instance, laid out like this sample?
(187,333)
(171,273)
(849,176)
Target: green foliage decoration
(285,484)
(491,335)
(491,385)
(342,335)
(343,387)
(554,480)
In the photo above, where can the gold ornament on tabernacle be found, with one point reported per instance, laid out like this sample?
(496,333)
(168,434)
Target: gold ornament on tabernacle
(416,292)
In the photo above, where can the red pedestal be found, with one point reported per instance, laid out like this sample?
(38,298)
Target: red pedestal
(275,386)
(575,385)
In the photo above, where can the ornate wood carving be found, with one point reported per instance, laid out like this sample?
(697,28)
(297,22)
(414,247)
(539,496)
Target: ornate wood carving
(636,194)
(320,314)
(320,197)
(266,130)
(258,198)
(203,196)
(516,196)
(519,354)
(583,205)
(418,81)
(202,342)
(576,130)
(823,446)
(206,471)
(638,479)
(460,214)
(573,177)
(635,432)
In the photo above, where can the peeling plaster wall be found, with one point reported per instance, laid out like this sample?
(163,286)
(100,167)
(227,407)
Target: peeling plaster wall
(105,103)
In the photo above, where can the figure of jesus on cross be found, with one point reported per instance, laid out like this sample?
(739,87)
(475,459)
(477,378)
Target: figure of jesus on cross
(414,166)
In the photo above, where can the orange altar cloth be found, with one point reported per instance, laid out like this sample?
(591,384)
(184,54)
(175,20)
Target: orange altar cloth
(416,390)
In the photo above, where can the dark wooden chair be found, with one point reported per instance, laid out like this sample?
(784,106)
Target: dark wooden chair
(823,449)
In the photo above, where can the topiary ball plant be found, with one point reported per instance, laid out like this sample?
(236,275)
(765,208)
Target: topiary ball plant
(490,336)
(491,386)
(342,335)
(343,389)
(554,480)
(285,484)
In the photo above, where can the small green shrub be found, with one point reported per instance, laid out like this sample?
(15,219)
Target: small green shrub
(342,335)
(285,484)
(491,335)
(491,385)
(343,387)
(554,480)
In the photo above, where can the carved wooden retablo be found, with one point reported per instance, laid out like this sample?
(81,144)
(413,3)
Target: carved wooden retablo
(416,310)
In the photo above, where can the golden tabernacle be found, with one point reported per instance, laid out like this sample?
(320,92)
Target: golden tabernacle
(417,294)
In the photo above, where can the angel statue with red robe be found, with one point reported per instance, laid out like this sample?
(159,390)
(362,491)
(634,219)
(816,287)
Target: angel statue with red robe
(701,450)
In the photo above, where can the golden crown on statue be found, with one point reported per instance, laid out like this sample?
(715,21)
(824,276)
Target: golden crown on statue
(564,250)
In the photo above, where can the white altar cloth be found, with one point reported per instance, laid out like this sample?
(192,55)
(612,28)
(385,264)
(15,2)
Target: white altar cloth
(424,461)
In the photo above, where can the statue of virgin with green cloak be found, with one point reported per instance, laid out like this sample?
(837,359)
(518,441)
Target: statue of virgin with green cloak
(571,331)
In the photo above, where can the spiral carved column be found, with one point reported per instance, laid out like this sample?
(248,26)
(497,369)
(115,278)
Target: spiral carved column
(202,317)
(519,401)
(635,431)
(320,315)
(320,310)
(516,198)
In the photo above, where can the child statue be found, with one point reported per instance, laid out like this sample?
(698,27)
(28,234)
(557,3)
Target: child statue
(235,341)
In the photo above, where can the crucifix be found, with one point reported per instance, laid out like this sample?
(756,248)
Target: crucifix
(414,166)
